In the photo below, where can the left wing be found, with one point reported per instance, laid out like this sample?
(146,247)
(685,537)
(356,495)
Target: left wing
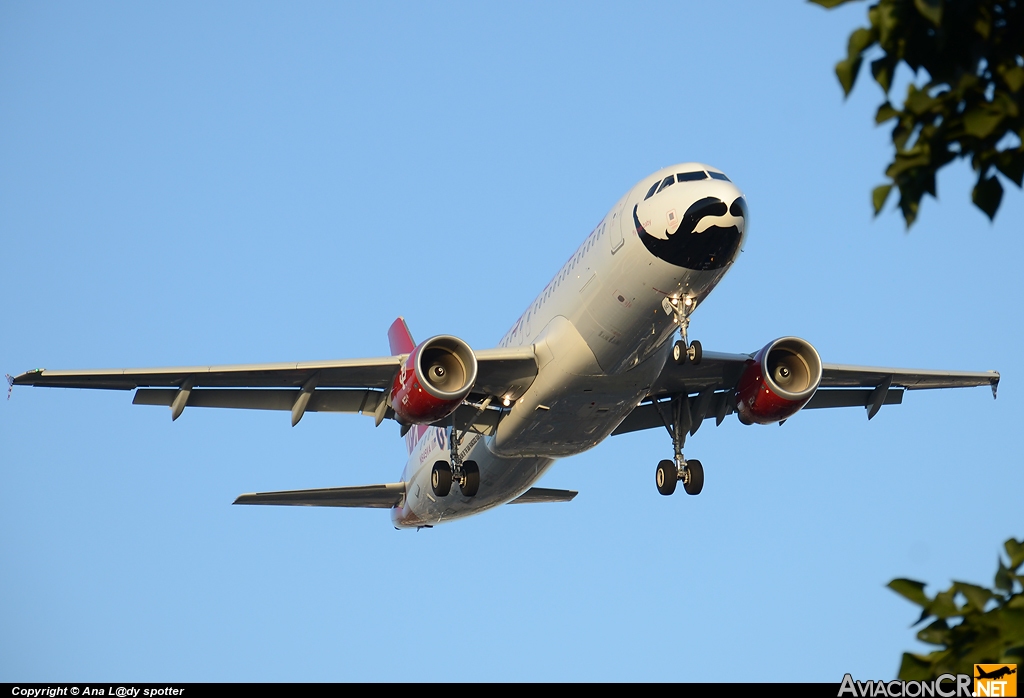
(709,388)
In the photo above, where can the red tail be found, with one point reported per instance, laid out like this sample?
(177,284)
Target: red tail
(400,338)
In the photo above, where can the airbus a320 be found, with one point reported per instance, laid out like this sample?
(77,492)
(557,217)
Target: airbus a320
(591,357)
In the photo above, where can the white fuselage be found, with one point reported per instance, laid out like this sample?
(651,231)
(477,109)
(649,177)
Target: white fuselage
(600,331)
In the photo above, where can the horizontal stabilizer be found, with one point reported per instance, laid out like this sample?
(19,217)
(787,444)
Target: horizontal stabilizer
(365,496)
(536,495)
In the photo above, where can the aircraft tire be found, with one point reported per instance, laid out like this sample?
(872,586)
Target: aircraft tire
(441,478)
(666,477)
(698,352)
(695,482)
(679,354)
(472,483)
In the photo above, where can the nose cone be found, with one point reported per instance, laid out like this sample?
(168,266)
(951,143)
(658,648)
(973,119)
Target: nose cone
(696,225)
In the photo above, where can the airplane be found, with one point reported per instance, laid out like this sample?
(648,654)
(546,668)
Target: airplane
(999,673)
(591,357)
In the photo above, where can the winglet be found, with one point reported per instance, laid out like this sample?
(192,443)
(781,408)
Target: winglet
(400,338)
(995,385)
(10,385)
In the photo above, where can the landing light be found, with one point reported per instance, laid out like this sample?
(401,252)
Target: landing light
(506,402)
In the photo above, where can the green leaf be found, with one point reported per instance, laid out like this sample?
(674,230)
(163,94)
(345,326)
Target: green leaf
(918,101)
(977,597)
(981,121)
(1014,77)
(1015,548)
(907,588)
(846,72)
(930,10)
(987,195)
(1011,164)
(1004,580)
(935,634)
(881,71)
(909,204)
(944,605)
(848,68)
(915,668)
(907,161)
(885,112)
(878,198)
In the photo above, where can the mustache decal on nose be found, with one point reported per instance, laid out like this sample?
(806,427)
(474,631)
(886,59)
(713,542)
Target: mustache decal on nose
(712,248)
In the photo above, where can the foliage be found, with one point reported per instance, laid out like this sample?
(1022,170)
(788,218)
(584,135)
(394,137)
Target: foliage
(993,636)
(972,105)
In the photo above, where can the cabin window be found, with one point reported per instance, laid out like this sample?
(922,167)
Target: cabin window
(669,181)
(719,175)
(691,176)
(653,189)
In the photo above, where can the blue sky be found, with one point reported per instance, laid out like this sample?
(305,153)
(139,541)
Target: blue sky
(193,184)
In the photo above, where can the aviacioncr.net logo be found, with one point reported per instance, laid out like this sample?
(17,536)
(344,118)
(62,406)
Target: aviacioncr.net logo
(995,680)
(946,686)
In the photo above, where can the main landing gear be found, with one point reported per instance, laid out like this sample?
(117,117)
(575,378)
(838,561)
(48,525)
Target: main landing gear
(444,473)
(670,472)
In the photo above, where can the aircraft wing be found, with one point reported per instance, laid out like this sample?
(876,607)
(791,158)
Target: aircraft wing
(363,496)
(709,387)
(348,385)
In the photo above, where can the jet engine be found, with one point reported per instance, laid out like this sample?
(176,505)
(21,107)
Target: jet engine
(434,380)
(778,381)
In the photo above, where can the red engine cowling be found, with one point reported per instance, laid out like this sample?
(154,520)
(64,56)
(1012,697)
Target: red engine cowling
(434,380)
(779,380)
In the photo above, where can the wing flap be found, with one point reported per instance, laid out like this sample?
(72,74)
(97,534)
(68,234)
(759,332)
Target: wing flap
(362,496)
(350,401)
(648,415)
(537,495)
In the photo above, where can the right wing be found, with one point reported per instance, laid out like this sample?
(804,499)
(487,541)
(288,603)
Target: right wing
(349,385)
(364,496)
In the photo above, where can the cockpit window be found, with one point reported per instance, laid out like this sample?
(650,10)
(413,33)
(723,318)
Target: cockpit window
(691,176)
(669,181)
(719,175)
(652,190)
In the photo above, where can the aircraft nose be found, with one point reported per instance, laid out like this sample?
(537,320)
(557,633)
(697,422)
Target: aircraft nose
(699,227)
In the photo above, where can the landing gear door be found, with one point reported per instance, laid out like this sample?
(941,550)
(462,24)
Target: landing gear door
(615,226)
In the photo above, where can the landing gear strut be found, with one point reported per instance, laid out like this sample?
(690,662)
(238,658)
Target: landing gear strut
(684,351)
(670,472)
(465,473)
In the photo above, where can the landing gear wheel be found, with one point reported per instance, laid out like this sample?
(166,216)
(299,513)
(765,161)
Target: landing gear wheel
(471,478)
(441,478)
(693,477)
(695,352)
(679,352)
(666,477)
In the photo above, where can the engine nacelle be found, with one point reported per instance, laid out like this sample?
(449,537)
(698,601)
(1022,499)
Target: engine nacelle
(779,380)
(434,380)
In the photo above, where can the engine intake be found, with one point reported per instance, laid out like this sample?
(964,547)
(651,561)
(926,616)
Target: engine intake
(434,380)
(778,381)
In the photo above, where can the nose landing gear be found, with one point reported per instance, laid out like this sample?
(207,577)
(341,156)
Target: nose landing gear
(670,472)
(465,473)
(684,351)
